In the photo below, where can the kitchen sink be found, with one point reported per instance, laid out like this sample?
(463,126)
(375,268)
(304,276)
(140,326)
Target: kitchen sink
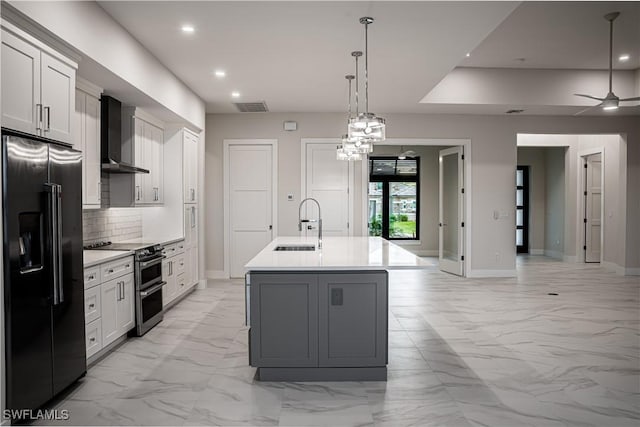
(295,248)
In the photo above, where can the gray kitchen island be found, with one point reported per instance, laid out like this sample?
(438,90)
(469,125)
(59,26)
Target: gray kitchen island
(322,314)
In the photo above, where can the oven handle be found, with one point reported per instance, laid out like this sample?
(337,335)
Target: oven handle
(154,289)
(155,261)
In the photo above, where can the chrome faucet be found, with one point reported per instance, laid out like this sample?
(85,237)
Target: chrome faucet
(319,220)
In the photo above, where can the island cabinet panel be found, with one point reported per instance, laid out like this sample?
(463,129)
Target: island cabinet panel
(316,325)
(284,313)
(352,319)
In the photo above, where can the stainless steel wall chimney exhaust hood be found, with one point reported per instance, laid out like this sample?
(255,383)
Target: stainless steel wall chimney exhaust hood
(111,138)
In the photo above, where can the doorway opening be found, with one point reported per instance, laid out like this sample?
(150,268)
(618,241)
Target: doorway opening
(416,194)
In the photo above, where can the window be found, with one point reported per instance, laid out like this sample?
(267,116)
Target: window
(394,205)
(522,209)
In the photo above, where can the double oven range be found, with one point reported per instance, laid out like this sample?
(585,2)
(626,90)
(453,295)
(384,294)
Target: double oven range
(148,281)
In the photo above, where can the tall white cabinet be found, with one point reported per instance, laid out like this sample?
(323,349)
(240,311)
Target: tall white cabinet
(190,179)
(38,87)
(148,145)
(86,138)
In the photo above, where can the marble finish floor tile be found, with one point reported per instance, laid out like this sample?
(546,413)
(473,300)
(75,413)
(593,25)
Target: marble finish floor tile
(462,352)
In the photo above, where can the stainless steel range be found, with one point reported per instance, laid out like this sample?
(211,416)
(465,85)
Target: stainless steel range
(148,281)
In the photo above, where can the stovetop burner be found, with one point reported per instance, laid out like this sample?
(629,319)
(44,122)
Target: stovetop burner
(109,246)
(97,245)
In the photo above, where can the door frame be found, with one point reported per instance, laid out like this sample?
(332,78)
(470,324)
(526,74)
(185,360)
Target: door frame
(444,142)
(227,143)
(304,142)
(581,235)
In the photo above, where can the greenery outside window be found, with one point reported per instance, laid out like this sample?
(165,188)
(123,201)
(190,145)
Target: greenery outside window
(394,202)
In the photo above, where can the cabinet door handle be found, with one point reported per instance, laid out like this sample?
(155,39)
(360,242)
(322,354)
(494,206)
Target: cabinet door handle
(193,194)
(47,110)
(193,217)
(99,190)
(110,271)
(38,116)
(91,277)
(92,339)
(91,305)
(137,192)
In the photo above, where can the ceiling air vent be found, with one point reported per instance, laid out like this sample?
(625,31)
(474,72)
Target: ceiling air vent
(252,107)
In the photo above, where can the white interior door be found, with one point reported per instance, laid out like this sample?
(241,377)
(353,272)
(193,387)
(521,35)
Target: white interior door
(327,181)
(250,203)
(593,208)
(451,236)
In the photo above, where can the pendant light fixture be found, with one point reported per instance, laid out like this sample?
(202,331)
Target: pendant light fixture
(366,127)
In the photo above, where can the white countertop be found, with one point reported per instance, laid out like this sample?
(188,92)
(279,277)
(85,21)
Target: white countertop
(337,253)
(92,258)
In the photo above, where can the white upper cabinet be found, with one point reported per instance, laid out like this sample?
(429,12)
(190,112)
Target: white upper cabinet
(190,167)
(87,139)
(37,87)
(148,153)
(20,84)
(58,83)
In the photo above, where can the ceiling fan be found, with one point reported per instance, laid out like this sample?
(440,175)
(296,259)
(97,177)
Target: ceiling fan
(611,101)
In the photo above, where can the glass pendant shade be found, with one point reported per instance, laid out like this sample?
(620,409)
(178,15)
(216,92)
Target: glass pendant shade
(367,127)
(357,145)
(343,153)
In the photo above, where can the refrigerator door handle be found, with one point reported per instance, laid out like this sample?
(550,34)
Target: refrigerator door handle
(59,239)
(52,228)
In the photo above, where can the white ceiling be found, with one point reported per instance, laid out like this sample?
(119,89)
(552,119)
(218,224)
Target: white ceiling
(294,55)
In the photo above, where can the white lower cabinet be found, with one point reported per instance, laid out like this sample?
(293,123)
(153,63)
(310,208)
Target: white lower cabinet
(117,308)
(93,334)
(174,272)
(109,303)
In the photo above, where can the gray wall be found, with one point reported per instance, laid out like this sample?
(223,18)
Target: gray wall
(493,159)
(554,213)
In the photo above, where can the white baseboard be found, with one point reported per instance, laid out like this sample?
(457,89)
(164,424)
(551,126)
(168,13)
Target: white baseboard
(491,273)
(554,254)
(202,284)
(426,252)
(570,258)
(632,271)
(217,274)
(536,251)
(620,270)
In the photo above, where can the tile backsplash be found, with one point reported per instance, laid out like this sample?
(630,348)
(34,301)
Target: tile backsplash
(112,224)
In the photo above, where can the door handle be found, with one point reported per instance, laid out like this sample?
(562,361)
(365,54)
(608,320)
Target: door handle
(38,116)
(47,110)
(55,238)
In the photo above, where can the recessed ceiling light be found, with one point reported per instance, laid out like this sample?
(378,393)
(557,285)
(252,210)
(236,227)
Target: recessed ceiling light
(220,73)
(235,94)
(624,57)
(468,55)
(188,29)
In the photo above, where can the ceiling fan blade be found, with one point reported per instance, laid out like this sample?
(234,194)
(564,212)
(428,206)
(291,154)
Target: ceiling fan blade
(589,96)
(585,110)
(637,98)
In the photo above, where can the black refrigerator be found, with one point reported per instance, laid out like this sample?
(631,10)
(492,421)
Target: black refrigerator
(43,268)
